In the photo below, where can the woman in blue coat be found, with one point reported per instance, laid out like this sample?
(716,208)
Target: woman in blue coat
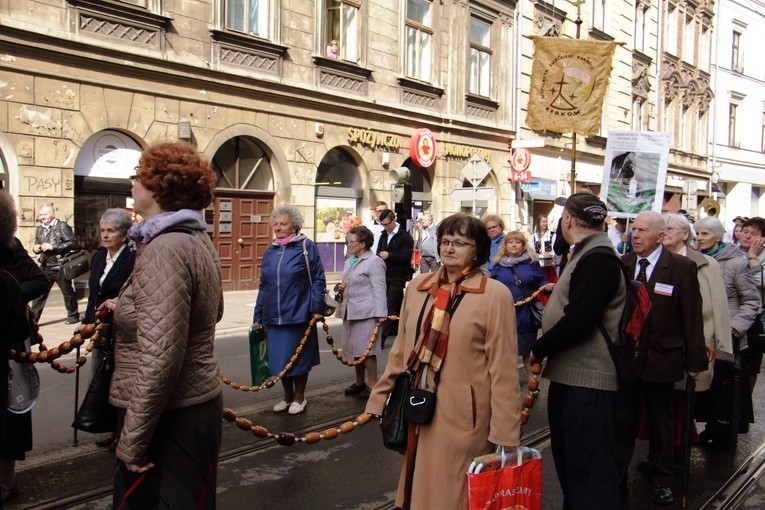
(514,267)
(291,292)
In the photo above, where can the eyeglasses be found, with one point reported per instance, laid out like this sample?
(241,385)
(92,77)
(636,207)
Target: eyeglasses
(348,241)
(386,224)
(457,245)
(492,227)
(132,179)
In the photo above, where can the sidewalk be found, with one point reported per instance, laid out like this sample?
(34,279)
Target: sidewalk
(237,317)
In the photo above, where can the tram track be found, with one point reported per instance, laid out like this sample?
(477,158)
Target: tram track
(538,439)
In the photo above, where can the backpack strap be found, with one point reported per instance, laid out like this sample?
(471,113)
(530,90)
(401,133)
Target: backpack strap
(603,250)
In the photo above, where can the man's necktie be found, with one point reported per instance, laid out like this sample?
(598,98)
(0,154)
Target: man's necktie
(383,244)
(642,274)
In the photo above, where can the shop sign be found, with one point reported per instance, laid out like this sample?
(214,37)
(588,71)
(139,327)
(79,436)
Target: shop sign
(374,139)
(422,147)
(521,160)
(454,150)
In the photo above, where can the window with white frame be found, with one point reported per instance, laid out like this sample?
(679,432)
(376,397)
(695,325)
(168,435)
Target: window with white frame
(248,16)
(732,113)
(689,39)
(735,57)
(671,32)
(343,20)
(599,15)
(480,57)
(639,35)
(419,36)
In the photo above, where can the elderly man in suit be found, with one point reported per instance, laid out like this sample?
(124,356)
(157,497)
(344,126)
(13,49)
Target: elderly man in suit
(676,342)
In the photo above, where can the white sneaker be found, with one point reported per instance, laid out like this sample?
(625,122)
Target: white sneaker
(296,408)
(281,407)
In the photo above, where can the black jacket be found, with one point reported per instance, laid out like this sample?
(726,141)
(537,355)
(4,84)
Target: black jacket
(110,288)
(16,260)
(399,262)
(61,236)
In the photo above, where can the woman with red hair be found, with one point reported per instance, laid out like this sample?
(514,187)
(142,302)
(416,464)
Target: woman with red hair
(165,384)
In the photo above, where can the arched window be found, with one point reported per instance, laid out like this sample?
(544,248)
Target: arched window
(242,164)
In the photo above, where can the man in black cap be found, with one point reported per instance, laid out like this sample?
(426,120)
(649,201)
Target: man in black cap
(583,384)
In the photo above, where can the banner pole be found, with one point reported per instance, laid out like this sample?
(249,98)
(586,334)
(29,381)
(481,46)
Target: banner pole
(578,23)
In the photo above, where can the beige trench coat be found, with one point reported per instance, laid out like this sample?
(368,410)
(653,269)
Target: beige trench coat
(478,395)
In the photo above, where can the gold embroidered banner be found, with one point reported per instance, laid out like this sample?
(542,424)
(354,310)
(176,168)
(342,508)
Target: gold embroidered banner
(569,79)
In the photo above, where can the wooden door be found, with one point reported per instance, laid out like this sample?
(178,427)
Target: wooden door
(241,236)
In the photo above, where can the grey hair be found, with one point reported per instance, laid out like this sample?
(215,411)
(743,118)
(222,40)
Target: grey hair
(117,218)
(712,224)
(296,217)
(8,219)
(49,207)
(682,223)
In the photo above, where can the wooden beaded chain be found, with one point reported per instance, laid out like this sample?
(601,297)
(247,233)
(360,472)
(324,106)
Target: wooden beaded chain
(331,342)
(88,332)
(529,299)
(272,381)
(289,439)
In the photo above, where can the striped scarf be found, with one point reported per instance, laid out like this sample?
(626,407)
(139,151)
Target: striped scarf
(433,338)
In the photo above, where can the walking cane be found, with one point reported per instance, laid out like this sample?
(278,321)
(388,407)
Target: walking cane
(76,393)
(738,370)
(690,402)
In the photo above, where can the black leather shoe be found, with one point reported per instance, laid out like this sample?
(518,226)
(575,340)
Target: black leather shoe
(355,388)
(662,495)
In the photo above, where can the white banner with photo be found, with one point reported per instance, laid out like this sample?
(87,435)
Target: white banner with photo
(634,172)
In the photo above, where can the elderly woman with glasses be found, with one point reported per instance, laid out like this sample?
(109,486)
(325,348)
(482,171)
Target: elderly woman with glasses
(109,270)
(363,307)
(457,337)
(166,382)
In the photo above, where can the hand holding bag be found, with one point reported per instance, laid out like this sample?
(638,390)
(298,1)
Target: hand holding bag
(496,482)
(96,414)
(259,369)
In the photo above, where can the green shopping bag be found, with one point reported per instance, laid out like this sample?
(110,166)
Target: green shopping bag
(258,355)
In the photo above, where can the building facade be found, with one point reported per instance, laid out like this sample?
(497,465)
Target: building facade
(286,116)
(737,137)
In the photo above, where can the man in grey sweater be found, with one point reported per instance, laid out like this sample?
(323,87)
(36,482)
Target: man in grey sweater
(583,385)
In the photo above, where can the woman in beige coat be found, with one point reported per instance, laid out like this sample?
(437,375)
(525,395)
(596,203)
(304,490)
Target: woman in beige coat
(478,391)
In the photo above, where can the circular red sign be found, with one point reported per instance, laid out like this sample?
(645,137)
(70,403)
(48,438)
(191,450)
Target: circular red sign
(521,160)
(422,147)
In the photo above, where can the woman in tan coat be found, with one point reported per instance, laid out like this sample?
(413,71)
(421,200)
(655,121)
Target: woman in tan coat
(478,392)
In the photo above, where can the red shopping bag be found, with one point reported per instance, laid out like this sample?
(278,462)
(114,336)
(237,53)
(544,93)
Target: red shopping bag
(512,485)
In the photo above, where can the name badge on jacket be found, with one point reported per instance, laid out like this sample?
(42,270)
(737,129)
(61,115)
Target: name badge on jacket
(663,289)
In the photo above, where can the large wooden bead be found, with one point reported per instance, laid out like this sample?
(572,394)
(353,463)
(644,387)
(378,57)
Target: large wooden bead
(330,434)
(226,380)
(286,439)
(228,414)
(54,353)
(528,400)
(536,368)
(259,431)
(346,427)
(524,417)
(87,330)
(56,365)
(533,384)
(42,357)
(235,385)
(363,419)
(244,424)
(312,437)
(270,383)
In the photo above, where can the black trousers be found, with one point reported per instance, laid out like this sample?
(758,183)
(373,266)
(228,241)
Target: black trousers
(659,409)
(428,264)
(395,296)
(582,443)
(67,290)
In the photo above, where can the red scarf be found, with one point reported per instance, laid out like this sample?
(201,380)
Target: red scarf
(433,338)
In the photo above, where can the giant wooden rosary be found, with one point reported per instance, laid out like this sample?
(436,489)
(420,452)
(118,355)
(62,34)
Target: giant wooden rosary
(88,332)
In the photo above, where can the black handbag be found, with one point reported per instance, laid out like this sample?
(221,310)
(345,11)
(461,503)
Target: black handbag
(420,406)
(393,422)
(96,414)
(74,264)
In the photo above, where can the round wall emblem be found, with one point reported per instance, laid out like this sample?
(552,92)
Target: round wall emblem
(521,160)
(422,147)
